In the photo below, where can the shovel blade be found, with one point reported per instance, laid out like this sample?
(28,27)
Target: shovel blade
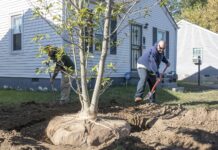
(148,96)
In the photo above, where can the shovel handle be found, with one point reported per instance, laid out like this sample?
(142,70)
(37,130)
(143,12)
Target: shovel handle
(158,81)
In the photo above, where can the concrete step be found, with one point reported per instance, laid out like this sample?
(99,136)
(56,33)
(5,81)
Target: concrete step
(178,89)
(169,84)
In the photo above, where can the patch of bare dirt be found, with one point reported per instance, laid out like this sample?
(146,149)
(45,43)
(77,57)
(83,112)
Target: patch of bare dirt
(193,129)
(153,127)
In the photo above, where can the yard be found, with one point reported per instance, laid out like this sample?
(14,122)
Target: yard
(122,96)
(186,120)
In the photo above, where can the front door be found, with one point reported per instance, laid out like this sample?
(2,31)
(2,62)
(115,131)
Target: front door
(136,45)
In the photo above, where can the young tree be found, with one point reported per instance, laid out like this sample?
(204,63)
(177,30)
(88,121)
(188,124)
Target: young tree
(81,19)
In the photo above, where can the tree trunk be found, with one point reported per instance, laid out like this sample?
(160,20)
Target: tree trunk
(85,96)
(95,96)
(77,80)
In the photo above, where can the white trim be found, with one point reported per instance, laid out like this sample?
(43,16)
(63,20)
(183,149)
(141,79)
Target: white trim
(175,50)
(12,52)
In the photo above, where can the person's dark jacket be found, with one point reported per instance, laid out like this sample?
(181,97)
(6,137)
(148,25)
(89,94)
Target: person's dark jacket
(64,64)
(151,59)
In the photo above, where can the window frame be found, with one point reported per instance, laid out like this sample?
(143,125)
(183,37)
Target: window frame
(98,43)
(194,54)
(162,31)
(12,16)
(99,32)
(165,39)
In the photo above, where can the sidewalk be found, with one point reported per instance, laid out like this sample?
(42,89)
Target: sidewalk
(214,86)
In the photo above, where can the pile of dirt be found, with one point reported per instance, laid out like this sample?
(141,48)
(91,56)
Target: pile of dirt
(153,126)
(144,116)
(193,129)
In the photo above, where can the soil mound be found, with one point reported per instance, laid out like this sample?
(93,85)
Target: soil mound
(193,129)
(152,127)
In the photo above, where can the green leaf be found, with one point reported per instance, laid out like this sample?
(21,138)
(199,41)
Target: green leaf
(37,71)
(94,69)
(111,66)
(38,55)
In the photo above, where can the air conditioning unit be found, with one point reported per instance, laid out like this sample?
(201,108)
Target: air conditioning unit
(196,61)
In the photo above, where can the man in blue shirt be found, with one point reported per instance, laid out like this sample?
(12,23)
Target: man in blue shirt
(147,66)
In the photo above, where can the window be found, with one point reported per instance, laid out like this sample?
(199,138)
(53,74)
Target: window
(98,42)
(88,34)
(99,35)
(158,35)
(88,39)
(197,52)
(113,39)
(161,35)
(16,32)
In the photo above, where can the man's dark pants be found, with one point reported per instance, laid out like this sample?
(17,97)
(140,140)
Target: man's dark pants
(144,76)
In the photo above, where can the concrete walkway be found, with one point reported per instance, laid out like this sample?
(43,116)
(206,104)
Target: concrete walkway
(214,86)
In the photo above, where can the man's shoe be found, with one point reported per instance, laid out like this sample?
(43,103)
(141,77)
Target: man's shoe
(138,99)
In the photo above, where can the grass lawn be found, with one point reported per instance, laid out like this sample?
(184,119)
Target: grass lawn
(192,96)
(124,96)
(15,97)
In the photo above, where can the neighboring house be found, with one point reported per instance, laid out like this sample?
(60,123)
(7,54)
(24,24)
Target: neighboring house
(194,41)
(17,51)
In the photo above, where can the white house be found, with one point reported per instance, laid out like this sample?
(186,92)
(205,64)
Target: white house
(194,41)
(17,51)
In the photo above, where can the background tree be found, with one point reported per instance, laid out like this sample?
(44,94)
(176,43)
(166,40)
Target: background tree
(200,12)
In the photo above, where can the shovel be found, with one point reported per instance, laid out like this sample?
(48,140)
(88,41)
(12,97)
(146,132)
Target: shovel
(52,84)
(150,94)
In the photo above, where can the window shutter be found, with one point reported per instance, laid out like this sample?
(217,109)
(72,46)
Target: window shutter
(88,39)
(167,45)
(113,46)
(154,35)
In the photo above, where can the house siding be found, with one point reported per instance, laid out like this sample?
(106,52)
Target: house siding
(23,65)
(159,18)
(192,36)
